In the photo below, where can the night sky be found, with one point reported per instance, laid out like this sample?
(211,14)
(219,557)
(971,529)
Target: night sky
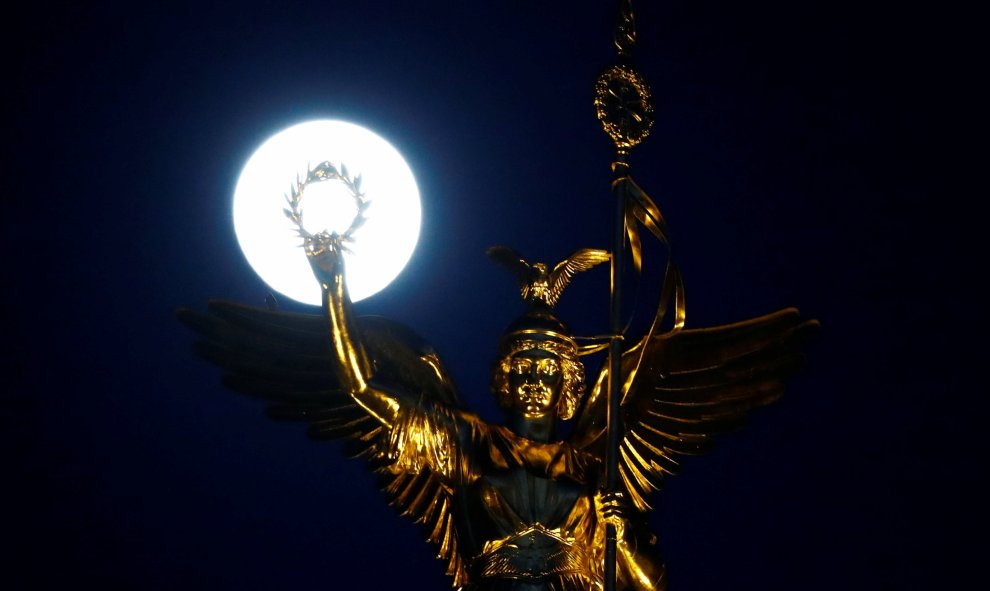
(805,154)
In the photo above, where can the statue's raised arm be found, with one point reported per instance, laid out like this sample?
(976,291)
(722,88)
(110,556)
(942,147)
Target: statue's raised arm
(354,369)
(361,379)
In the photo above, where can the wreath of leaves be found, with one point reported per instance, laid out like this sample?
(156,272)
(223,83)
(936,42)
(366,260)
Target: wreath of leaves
(325,171)
(624,133)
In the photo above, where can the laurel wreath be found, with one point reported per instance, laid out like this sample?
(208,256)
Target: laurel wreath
(623,132)
(325,171)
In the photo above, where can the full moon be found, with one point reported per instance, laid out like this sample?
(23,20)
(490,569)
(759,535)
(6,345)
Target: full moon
(380,248)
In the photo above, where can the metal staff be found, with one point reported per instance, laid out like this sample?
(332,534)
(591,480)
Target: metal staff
(614,371)
(624,107)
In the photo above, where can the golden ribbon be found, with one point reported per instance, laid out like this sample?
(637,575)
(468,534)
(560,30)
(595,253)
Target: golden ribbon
(640,210)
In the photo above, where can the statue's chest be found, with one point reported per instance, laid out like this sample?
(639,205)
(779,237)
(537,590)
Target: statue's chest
(521,497)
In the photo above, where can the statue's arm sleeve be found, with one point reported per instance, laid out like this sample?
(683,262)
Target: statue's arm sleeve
(354,368)
(417,436)
(435,437)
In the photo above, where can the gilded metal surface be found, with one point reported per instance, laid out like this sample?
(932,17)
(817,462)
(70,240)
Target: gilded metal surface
(624,106)
(536,282)
(513,506)
(511,363)
(513,503)
(624,37)
(323,172)
(625,109)
(534,553)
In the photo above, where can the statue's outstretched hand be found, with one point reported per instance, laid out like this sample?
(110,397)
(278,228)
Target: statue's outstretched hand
(325,252)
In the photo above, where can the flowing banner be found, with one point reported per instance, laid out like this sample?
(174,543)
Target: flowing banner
(640,209)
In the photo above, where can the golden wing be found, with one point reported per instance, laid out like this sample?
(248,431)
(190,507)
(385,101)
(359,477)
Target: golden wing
(513,262)
(682,389)
(565,270)
(285,358)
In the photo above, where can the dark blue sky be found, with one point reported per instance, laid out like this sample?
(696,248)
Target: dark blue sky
(805,154)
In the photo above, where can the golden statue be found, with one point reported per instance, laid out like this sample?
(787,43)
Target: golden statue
(509,506)
(512,507)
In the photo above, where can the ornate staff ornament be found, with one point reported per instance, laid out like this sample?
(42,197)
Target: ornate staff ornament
(624,106)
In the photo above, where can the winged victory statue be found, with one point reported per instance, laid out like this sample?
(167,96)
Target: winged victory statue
(509,506)
(513,506)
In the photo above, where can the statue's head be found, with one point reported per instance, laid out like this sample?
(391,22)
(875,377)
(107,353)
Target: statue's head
(538,372)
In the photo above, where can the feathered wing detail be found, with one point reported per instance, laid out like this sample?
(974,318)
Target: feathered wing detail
(532,278)
(565,270)
(681,389)
(285,359)
(512,261)
(536,283)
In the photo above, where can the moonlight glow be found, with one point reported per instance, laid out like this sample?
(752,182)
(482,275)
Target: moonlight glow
(381,247)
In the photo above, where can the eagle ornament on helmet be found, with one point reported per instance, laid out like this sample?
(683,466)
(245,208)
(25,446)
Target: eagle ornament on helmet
(539,328)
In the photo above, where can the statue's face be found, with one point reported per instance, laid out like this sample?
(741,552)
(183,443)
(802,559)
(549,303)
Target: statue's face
(535,380)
